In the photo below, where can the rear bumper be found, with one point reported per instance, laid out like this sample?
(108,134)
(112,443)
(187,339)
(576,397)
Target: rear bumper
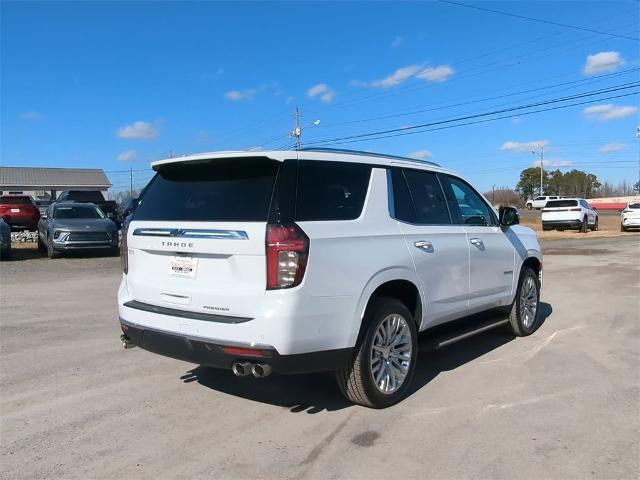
(631,222)
(19,224)
(561,223)
(212,353)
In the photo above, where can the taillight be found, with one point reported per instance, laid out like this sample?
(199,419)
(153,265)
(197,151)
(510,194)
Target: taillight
(287,253)
(124,251)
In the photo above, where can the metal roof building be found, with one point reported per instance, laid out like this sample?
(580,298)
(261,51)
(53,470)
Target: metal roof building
(52,179)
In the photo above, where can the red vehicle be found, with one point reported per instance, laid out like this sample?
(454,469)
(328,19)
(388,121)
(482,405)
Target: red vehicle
(19,212)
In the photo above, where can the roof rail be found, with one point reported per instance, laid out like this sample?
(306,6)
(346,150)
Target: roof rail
(363,153)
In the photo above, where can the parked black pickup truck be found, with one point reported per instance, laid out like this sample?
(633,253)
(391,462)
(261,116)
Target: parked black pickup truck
(108,207)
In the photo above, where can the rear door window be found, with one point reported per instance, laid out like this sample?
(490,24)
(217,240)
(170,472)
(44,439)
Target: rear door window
(331,190)
(236,189)
(422,200)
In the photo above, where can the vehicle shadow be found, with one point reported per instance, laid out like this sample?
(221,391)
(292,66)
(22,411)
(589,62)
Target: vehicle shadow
(317,392)
(22,253)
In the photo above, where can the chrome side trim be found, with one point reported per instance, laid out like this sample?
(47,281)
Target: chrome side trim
(192,233)
(173,312)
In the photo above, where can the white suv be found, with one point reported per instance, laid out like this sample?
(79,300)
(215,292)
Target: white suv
(569,213)
(540,202)
(319,260)
(630,216)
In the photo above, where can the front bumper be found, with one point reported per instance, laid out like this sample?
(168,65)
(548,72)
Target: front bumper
(65,243)
(631,222)
(568,224)
(214,353)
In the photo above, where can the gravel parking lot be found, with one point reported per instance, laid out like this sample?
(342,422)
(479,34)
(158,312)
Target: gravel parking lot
(563,403)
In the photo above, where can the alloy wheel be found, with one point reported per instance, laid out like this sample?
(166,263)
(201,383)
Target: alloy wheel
(390,356)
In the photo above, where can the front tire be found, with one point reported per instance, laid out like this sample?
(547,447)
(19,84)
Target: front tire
(584,227)
(529,206)
(595,225)
(384,358)
(51,253)
(523,317)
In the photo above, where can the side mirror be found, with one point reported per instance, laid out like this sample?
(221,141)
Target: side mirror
(508,216)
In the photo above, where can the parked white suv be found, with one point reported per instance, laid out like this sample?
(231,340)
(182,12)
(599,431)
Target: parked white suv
(540,202)
(319,260)
(569,213)
(630,216)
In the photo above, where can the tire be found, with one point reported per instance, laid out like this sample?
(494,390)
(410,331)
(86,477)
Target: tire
(51,253)
(41,246)
(520,324)
(595,226)
(529,206)
(357,380)
(584,227)
(622,229)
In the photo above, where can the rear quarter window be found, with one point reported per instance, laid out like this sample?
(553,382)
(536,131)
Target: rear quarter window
(331,190)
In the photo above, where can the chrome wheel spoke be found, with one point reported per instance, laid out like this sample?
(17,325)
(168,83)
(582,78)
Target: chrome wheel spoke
(390,354)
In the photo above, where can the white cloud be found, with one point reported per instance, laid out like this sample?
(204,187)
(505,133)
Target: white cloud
(289,100)
(138,131)
(322,90)
(553,163)
(31,116)
(420,154)
(612,147)
(397,77)
(397,41)
(128,156)
(519,147)
(440,73)
(607,112)
(516,120)
(235,95)
(603,62)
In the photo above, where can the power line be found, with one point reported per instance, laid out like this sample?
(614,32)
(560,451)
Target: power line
(539,20)
(495,112)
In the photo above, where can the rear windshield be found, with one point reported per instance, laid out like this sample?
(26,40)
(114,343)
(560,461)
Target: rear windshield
(634,206)
(77,211)
(15,200)
(237,189)
(80,196)
(562,203)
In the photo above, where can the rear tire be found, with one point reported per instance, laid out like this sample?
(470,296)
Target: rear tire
(622,229)
(388,349)
(523,317)
(584,227)
(529,206)
(595,226)
(41,246)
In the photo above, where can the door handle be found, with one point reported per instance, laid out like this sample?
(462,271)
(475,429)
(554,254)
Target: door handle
(476,241)
(424,245)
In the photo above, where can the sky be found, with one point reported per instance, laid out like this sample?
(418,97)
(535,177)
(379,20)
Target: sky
(116,85)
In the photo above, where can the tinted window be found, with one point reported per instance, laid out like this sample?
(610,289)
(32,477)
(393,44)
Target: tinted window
(331,190)
(15,200)
(539,198)
(562,203)
(81,196)
(403,208)
(237,189)
(77,211)
(427,202)
(471,209)
(634,206)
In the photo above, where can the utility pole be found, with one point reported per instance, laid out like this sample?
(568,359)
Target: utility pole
(541,168)
(493,194)
(297,132)
(130,181)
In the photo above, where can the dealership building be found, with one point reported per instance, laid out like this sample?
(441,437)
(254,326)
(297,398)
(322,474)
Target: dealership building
(45,183)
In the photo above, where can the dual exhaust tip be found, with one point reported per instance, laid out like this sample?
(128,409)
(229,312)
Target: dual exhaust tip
(258,370)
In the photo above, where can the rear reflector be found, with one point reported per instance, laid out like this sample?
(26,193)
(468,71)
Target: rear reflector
(287,252)
(245,352)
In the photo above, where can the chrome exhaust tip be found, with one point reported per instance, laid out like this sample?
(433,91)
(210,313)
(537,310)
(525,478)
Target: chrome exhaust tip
(126,342)
(261,370)
(241,369)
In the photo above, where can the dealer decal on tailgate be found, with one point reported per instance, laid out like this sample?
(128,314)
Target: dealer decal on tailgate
(183,267)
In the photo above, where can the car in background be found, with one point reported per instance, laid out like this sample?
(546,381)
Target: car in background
(72,226)
(569,214)
(43,204)
(5,240)
(540,202)
(108,207)
(19,212)
(630,216)
(125,208)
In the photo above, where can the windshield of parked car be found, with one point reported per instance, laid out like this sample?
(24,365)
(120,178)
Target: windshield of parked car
(562,203)
(7,200)
(77,211)
(634,206)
